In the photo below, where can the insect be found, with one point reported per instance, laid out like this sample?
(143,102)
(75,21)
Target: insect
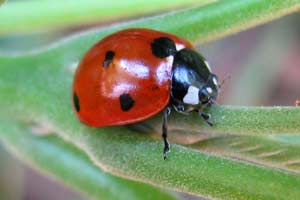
(134,74)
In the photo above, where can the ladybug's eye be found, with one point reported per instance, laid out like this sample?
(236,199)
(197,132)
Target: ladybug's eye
(203,96)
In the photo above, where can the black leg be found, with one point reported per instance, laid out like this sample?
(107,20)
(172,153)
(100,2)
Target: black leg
(206,118)
(165,132)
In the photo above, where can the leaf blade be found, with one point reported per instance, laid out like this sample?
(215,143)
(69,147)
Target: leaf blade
(211,22)
(30,16)
(263,150)
(56,158)
(200,24)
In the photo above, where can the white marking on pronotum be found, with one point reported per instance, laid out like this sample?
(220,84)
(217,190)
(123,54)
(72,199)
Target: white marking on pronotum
(191,96)
(209,90)
(215,81)
(207,64)
(179,47)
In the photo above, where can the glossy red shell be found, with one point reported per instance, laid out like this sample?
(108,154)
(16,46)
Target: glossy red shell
(134,70)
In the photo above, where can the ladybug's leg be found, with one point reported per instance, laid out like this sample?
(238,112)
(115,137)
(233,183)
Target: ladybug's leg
(164,135)
(206,117)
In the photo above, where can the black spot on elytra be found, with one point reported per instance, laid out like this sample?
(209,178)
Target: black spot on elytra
(154,87)
(108,58)
(163,47)
(76,102)
(126,102)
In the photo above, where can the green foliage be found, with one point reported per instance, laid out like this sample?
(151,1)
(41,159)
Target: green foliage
(37,88)
(53,156)
(264,150)
(30,16)
(237,120)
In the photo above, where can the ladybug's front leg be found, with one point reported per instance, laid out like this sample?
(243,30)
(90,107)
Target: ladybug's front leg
(164,135)
(206,117)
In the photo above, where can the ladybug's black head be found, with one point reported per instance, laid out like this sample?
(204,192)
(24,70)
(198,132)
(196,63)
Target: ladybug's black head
(209,92)
(193,83)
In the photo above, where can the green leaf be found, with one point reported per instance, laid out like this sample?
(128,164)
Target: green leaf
(235,120)
(30,15)
(197,24)
(61,160)
(217,19)
(131,154)
(264,150)
(38,87)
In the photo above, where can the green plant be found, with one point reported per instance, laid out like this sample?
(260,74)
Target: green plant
(35,92)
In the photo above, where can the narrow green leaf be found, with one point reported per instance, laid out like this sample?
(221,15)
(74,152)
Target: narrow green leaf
(30,16)
(199,24)
(235,120)
(131,154)
(54,157)
(223,18)
(263,150)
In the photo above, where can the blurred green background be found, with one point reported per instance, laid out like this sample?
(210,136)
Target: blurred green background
(261,74)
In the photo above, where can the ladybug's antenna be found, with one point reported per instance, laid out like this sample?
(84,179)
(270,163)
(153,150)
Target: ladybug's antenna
(228,76)
(213,101)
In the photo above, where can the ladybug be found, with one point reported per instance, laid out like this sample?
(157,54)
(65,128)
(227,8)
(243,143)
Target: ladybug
(134,74)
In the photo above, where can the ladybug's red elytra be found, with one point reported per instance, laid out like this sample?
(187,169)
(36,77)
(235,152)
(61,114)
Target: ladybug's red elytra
(134,74)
